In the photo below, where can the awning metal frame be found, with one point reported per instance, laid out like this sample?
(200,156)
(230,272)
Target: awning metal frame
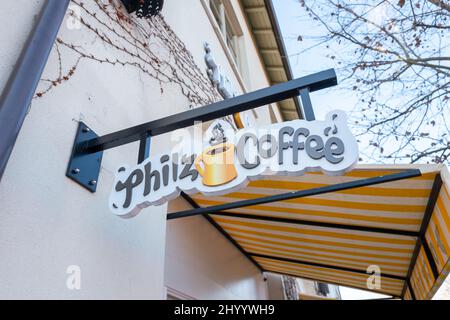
(299,194)
(220,210)
(421,241)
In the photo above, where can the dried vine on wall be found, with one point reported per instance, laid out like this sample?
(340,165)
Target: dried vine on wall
(148,45)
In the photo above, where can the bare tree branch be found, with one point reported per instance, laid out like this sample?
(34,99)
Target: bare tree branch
(396,59)
(441,4)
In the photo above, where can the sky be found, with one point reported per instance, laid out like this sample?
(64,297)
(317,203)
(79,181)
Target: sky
(306,57)
(293,23)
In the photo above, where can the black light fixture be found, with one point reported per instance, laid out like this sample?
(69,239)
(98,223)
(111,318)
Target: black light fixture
(144,8)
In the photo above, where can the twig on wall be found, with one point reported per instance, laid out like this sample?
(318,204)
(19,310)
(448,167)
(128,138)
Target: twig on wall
(148,45)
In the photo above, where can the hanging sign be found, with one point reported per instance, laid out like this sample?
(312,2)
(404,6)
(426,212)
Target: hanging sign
(227,160)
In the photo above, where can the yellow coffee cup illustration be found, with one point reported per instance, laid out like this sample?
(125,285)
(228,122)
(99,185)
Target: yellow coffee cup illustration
(216,164)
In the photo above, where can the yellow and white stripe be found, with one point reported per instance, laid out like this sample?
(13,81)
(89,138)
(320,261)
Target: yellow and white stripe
(282,246)
(388,286)
(438,238)
(407,295)
(396,205)
(321,245)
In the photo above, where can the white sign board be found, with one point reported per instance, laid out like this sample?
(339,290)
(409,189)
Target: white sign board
(227,160)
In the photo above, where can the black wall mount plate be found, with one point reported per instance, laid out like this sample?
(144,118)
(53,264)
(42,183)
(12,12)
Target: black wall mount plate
(84,168)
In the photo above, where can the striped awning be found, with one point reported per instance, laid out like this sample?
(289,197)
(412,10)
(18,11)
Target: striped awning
(400,229)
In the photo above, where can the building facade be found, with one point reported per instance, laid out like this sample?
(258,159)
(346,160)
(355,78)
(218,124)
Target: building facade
(324,219)
(113,70)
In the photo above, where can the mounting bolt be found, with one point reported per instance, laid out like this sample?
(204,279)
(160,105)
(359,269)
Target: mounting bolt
(76,171)
(86,130)
(93,182)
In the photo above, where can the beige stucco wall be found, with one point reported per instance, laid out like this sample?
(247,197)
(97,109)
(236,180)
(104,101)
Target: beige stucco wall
(48,223)
(200,262)
(204,29)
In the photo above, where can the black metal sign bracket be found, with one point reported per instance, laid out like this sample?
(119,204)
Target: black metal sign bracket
(84,168)
(87,151)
